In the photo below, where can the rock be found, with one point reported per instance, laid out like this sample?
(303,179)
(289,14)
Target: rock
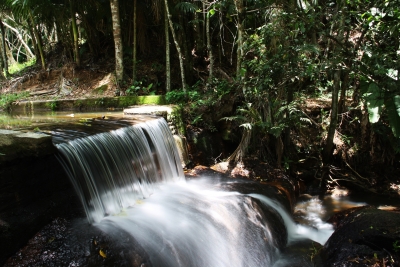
(364,237)
(16,145)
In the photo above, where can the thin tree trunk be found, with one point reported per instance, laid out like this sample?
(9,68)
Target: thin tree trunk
(171,26)
(2,68)
(343,89)
(116,23)
(35,46)
(75,35)
(167,56)
(186,51)
(286,140)
(3,50)
(209,48)
(38,41)
(134,41)
(327,152)
(10,56)
(240,27)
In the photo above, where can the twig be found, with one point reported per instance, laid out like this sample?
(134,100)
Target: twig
(357,173)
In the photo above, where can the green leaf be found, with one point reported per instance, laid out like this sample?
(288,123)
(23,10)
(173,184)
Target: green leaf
(374,101)
(393,110)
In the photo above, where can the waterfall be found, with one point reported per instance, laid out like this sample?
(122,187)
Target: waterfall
(112,171)
(131,179)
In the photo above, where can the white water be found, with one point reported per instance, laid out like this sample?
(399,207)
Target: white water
(193,224)
(318,233)
(131,179)
(112,170)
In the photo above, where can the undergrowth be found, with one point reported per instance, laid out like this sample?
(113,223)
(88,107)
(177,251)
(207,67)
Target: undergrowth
(7,99)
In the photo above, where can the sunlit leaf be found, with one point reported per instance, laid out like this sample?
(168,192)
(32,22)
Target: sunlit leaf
(374,100)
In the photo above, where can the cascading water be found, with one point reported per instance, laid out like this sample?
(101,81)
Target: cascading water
(113,170)
(131,179)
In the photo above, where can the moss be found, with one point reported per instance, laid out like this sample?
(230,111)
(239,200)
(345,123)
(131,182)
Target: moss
(176,118)
(100,90)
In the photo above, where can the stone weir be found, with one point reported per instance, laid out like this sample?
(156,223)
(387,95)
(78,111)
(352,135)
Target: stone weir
(34,188)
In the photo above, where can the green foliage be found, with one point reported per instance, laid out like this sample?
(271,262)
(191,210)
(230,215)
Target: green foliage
(138,89)
(200,100)
(19,67)
(7,99)
(396,246)
(186,7)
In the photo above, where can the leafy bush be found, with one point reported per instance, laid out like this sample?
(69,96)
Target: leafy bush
(7,99)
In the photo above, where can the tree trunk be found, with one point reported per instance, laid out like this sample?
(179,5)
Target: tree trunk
(186,51)
(38,41)
(134,42)
(327,152)
(167,56)
(119,57)
(240,27)
(75,35)
(3,50)
(286,140)
(171,26)
(343,90)
(10,56)
(209,49)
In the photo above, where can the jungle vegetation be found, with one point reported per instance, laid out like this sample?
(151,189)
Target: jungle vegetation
(250,65)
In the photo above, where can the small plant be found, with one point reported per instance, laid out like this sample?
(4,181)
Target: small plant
(134,89)
(52,105)
(314,252)
(396,246)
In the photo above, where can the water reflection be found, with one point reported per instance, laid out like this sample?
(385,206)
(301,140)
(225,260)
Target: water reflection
(69,125)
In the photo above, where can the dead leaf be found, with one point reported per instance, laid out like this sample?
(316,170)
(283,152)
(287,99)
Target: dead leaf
(102,253)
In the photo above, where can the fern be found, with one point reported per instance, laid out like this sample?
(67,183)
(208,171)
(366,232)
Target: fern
(186,7)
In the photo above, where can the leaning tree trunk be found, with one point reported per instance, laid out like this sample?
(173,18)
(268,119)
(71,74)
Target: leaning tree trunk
(75,35)
(3,50)
(38,41)
(119,58)
(134,41)
(178,48)
(167,56)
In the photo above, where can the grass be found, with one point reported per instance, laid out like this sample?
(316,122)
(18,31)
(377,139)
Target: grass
(18,67)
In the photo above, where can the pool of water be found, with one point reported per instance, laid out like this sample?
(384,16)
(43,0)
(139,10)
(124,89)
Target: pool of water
(67,125)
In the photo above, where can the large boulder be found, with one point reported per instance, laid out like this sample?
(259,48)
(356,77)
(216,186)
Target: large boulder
(364,236)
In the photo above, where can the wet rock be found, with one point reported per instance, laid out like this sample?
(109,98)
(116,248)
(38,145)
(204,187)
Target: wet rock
(364,237)
(76,243)
(302,253)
